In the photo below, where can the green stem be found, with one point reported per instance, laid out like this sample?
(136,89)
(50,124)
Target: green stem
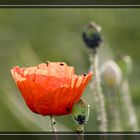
(52,122)
(115,124)
(96,86)
(80,133)
(81,137)
(126,99)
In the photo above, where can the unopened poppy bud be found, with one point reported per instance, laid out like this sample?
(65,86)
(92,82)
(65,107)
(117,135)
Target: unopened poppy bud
(111,73)
(92,36)
(80,114)
(125,63)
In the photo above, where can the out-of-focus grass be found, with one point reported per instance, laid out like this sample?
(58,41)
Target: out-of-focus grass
(32,36)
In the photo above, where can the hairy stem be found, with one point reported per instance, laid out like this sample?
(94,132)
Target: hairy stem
(80,133)
(96,86)
(126,99)
(52,122)
(115,124)
(81,137)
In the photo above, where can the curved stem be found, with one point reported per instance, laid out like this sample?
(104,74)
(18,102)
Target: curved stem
(96,86)
(126,99)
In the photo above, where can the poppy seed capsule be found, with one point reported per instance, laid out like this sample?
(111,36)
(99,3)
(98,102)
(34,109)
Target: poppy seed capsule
(80,114)
(111,73)
(91,35)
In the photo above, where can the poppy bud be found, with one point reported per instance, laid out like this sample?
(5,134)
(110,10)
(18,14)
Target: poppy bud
(111,73)
(92,36)
(80,114)
(125,63)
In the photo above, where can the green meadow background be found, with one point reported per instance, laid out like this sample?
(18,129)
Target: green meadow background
(32,36)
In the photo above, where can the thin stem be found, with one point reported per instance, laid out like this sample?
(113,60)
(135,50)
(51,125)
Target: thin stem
(115,124)
(96,86)
(80,133)
(126,99)
(81,137)
(52,122)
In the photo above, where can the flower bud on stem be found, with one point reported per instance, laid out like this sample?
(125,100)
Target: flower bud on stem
(93,39)
(80,114)
(125,63)
(126,99)
(96,86)
(112,76)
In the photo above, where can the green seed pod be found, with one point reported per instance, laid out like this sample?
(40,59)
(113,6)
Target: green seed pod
(80,114)
(125,63)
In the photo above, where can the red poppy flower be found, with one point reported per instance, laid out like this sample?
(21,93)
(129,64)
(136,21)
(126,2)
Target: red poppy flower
(50,88)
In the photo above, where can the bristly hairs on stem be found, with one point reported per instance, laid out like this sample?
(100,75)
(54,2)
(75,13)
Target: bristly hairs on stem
(132,119)
(96,87)
(52,122)
(80,115)
(93,39)
(111,76)
(125,63)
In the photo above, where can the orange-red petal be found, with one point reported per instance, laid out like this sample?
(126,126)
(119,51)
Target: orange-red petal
(51,88)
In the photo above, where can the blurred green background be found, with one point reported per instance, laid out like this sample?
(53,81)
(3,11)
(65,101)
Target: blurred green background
(31,36)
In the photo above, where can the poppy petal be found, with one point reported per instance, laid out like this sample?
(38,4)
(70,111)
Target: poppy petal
(51,88)
(54,104)
(26,93)
(53,78)
(82,82)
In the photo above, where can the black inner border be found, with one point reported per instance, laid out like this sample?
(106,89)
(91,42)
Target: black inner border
(69,3)
(69,132)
